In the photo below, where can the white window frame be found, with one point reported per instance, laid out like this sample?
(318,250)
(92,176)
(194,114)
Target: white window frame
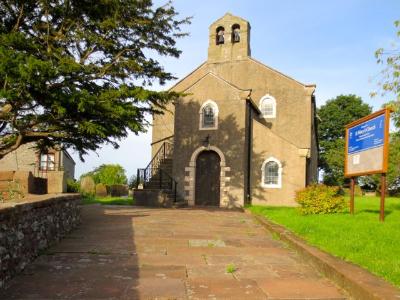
(47,162)
(201,116)
(270,100)
(271,186)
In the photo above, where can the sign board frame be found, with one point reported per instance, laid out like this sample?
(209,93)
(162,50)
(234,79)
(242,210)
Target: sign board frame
(385,153)
(385,156)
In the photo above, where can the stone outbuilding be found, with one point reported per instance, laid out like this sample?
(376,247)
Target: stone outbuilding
(243,132)
(54,165)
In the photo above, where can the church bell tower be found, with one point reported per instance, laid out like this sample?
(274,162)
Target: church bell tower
(229,39)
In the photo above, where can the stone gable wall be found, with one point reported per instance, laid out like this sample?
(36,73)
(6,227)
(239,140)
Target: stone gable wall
(26,229)
(229,139)
(22,159)
(68,165)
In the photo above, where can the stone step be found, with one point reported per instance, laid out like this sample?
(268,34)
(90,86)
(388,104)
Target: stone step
(168,192)
(157,185)
(180,204)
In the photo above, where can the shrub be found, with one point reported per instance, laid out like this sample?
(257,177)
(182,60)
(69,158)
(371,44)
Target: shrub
(101,190)
(73,186)
(87,186)
(320,199)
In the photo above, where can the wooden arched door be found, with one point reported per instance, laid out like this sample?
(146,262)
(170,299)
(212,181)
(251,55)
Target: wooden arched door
(208,170)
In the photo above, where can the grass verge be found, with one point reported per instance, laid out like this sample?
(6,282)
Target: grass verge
(360,239)
(107,200)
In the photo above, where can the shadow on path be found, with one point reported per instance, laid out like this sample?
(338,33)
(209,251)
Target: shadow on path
(140,253)
(97,260)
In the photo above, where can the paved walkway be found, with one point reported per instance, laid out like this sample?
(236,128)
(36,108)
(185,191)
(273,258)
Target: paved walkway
(137,253)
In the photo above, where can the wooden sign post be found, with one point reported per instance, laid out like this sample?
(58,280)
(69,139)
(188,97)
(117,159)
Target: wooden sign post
(367,151)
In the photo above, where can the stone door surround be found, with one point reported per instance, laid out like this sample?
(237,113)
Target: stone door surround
(190,176)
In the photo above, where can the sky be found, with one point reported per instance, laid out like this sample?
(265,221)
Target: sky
(329,43)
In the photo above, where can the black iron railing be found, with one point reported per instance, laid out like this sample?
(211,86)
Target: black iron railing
(153,176)
(41,170)
(163,153)
(156,178)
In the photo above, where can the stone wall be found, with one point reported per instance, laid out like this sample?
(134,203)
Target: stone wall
(152,198)
(22,183)
(28,228)
(56,182)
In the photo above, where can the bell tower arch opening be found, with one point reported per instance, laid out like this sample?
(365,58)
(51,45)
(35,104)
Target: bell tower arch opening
(229,39)
(220,35)
(235,33)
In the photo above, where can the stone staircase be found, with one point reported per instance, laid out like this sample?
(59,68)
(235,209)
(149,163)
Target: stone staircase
(155,186)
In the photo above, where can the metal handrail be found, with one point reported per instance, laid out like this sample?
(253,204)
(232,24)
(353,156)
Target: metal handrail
(39,171)
(164,152)
(156,178)
(154,175)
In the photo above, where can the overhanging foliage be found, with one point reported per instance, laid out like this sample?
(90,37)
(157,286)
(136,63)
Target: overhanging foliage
(78,74)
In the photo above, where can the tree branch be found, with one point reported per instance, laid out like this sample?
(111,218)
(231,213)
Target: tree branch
(21,12)
(9,148)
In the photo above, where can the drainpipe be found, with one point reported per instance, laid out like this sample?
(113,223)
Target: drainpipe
(249,149)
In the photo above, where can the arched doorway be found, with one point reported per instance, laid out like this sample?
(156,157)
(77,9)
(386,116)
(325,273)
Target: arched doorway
(208,169)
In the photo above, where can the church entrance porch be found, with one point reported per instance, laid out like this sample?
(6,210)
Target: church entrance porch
(208,169)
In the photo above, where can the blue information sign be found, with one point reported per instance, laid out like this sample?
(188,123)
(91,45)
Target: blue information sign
(367,135)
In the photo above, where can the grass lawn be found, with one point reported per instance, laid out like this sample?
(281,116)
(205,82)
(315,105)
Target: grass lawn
(108,200)
(360,239)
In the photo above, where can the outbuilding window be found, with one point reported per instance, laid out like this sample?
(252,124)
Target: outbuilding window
(271,173)
(47,162)
(208,115)
(268,107)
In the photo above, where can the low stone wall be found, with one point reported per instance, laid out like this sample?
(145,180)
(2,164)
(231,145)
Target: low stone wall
(151,198)
(28,228)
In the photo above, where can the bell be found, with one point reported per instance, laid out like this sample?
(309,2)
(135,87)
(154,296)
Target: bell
(236,36)
(220,38)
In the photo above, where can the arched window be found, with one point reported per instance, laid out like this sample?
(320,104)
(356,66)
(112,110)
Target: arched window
(220,39)
(268,107)
(235,33)
(271,173)
(208,115)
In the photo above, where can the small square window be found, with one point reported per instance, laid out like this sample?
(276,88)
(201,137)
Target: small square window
(47,162)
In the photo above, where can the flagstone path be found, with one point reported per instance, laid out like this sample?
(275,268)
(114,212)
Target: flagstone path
(138,253)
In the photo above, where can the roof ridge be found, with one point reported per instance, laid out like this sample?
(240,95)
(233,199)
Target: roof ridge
(218,77)
(280,73)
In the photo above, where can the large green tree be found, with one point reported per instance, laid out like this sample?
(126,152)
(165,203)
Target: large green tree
(333,116)
(78,73)
(108,174)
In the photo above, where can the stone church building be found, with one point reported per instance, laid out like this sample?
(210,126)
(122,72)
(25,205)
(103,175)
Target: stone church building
(243,132)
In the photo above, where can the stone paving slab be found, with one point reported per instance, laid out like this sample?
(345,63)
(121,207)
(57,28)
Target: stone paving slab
(137,253)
